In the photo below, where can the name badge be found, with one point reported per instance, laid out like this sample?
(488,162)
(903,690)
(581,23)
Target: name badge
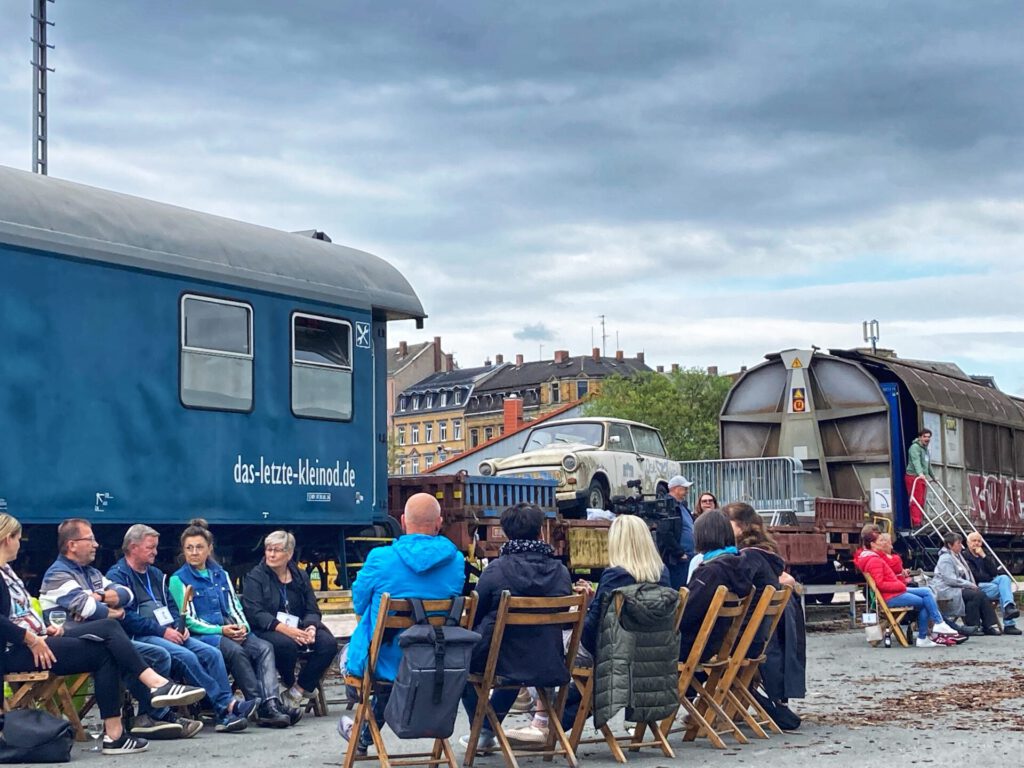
(288,619)
(163,616)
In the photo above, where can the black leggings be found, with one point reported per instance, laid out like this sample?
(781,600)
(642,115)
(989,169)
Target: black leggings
(978,611)
(287,654)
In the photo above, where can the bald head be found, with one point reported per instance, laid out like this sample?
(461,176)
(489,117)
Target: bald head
(422,515)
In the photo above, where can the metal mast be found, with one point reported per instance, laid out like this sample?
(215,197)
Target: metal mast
(39,70)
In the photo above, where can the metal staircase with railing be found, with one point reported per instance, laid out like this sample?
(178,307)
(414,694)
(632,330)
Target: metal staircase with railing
(941,514)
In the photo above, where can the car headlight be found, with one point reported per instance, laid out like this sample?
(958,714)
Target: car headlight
(570,463)
(486,468)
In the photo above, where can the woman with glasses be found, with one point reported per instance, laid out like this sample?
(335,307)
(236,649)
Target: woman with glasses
(705,502)
(215,616)
(281,608)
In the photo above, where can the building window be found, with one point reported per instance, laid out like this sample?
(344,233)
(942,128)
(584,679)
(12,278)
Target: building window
(216,354)
(415,465)
(488,433)
(428,432)
(442,430)
(401,435)
(430,400)
(401,466)
(474,438)
(458,397)
(444,398)
(556,392)
(429,460)
(582,387)
(415,434)
(321,367)
(456,429)
(415,402)
(403,403)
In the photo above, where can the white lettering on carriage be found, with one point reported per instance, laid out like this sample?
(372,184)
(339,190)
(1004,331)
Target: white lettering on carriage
(304,472)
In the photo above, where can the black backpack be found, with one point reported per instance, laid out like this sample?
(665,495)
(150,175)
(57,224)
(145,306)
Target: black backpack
(431,676)
(35,736)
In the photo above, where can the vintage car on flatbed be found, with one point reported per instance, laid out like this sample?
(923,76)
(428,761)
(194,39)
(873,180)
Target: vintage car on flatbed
(591,459)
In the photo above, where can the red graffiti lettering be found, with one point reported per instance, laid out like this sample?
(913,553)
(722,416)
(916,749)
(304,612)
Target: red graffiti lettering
(997,501)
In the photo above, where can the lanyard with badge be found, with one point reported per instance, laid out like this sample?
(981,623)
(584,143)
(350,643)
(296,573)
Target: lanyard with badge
(161,614)
(286,617)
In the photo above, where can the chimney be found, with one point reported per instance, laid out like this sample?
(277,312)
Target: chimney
(519,360)
(619,357)
(712,370)
(487,363)
(596,354)
(675,367)
(449,363)
(499,359)
(403,348)
(437,354)
(561,355)
(513,414)
(640,357)
(661,369)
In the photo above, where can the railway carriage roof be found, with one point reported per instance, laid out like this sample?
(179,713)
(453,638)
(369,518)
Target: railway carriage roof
(46,214)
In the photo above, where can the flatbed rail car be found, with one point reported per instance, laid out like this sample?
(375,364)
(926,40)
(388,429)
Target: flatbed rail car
(849,417)
(161,364)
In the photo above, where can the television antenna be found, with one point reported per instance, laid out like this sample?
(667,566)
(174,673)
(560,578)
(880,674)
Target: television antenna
(40,117)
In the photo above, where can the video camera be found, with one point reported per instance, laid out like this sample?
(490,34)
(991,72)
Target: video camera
(648,509)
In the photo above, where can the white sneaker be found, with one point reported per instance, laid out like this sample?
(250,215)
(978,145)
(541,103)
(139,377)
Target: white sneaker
(926,642)
(529,735)
(485,745)
(942,628)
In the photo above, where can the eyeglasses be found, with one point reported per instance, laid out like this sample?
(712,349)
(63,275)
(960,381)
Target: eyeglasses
(274,550)
(195,548)
(86,538)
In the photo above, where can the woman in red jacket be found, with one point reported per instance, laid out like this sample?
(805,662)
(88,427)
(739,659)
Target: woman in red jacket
(874,561)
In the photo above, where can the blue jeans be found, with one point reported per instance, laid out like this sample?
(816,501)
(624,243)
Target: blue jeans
(199,664)
(921,599)
(502,700)
(1000,589)
(160,661)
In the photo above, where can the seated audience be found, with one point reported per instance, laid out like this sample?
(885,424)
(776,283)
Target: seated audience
(721,565)
(152,617)
(85,595)
(954,582)
(531,656)
(421,563)
(994,585)
(281,608)
(30,645)
(897,594)
(215,616)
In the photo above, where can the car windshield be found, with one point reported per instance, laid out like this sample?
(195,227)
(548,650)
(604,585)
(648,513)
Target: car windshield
(543,437)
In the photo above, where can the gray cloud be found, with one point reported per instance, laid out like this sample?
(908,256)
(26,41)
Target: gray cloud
(534,332)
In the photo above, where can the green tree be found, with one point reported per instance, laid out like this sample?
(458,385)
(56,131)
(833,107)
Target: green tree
(683,404)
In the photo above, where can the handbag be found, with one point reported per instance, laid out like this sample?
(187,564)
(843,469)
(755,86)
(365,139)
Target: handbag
(35,736)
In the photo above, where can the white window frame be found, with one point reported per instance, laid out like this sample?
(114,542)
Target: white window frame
(415,434)
(456,429)
(428,432)
(211,300)
(401,435)
(442,430)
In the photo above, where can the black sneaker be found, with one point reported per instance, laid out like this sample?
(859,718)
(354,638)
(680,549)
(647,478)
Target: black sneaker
(126,745)
(247,709)
(294,714)
(189,728)
(172,694)
(271,717)
(144,725)
(992,630)
(1010,611)
(231,724)
(1011,629)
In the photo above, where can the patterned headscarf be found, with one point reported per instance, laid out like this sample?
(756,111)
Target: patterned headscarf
(519,546)
(22,612)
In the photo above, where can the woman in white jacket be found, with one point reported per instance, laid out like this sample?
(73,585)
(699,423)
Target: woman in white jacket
(954,582)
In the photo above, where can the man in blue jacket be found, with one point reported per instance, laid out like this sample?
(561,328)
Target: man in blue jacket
(419,564)
(151,618)
(675,532)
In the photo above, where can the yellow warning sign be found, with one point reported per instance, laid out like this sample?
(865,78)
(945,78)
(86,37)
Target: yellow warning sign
(799,400)
(797,363)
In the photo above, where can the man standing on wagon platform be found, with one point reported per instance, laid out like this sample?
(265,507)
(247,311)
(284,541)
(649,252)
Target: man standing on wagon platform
(919,472)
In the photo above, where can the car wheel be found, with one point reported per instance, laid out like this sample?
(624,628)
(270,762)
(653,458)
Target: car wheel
(597,496)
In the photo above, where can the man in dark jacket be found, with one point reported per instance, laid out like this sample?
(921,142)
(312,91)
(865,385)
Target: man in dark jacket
(675,532)
(995,585)
(151,618)
(532,656)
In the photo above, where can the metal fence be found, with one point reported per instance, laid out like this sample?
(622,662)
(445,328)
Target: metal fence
(773,486)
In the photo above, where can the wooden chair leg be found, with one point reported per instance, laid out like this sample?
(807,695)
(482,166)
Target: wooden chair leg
(555,726)
(586,694)
(357,727)
(68,708)
(699,725)
(476,725)
(499,734)
(449,755)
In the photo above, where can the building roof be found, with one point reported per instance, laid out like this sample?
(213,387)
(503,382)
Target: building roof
(397,362)
(447,379)
(513,377)
(46,214)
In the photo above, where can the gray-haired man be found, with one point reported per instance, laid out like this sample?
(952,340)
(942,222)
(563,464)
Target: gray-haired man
(152,618)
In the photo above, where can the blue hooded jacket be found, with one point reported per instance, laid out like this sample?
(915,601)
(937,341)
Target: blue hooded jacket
(416,565)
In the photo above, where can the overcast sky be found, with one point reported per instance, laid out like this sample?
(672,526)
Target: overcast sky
(720,179)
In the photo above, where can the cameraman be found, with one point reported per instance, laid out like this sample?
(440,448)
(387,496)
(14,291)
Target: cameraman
(675,532)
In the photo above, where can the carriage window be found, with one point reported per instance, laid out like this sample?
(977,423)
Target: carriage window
(216,354)
(321,368)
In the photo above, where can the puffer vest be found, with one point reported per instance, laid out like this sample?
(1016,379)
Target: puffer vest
(637,655)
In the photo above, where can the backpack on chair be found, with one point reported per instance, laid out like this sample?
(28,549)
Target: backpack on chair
(431,676)
(34,736)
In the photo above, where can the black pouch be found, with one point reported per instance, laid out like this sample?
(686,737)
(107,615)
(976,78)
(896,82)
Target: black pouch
(35,736)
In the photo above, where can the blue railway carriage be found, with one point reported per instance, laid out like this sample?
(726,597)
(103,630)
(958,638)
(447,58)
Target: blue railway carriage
(161,364)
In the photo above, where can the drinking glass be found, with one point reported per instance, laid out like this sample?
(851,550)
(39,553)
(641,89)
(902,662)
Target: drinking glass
(57,618)
(96,734)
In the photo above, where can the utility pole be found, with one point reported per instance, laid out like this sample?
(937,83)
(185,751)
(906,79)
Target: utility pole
(604,338)
(39,70)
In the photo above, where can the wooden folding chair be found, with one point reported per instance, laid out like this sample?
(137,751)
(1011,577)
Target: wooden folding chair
(724,606)
(46,690)
(584,678)
(893,616)
(565,612)
(395,614)
(740,697)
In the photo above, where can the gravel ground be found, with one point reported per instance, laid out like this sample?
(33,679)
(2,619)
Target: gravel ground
(904,706)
